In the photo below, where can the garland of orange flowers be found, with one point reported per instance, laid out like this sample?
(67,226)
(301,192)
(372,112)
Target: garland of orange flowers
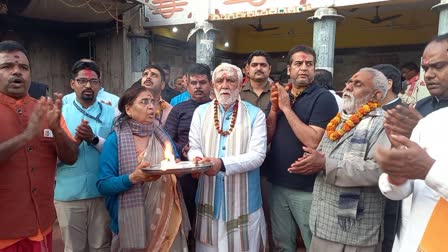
(162,106)
(350,123)
(216,119)
(294,97)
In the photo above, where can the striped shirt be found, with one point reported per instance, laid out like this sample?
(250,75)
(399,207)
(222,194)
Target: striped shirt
(178,122)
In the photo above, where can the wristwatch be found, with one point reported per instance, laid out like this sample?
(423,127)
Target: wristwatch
(95,141)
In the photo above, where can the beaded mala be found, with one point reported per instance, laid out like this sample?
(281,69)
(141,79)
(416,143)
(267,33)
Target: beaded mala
(216,119)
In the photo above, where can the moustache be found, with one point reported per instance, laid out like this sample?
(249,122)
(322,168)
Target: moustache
(16,79)
(347,94)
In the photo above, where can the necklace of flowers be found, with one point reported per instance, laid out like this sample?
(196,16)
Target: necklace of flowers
(216,119)
(350,123)
(162,106)
(294,97)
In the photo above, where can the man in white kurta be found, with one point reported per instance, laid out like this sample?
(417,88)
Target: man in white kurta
(231,134)
(419,167)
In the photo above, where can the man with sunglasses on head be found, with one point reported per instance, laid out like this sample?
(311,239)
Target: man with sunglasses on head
(81,210)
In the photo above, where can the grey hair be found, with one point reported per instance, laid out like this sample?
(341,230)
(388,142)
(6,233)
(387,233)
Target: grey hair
(227,67)
(379,80)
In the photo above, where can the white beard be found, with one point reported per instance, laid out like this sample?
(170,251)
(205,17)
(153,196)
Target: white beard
(350,104)
(226,100)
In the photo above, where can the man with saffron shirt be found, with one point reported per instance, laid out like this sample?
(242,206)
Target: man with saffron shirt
(231,134)
(348,208)
(81,210)
(296,119)
(33,137)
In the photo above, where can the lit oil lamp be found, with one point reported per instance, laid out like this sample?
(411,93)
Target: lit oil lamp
(169,159)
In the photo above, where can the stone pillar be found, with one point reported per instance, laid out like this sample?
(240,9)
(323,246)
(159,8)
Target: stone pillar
(205,44)
(442,8)
(140,52)
(137,43)
(324,36)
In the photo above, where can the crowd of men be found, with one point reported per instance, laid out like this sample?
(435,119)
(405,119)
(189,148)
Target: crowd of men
(288,161)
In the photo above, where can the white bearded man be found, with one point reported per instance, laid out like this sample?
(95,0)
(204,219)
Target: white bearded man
(348,208)
(231,134)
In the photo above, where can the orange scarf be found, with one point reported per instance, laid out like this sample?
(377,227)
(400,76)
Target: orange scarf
(435,234)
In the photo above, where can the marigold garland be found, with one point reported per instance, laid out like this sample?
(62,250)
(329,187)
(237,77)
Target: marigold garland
(294,97)
(162,106)
(350,123)
(216,119)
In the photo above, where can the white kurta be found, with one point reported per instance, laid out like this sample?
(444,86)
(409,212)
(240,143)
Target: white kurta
(429,134)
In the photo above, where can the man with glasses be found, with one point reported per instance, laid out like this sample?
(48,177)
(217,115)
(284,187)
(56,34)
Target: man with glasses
(81,211)
(102,96)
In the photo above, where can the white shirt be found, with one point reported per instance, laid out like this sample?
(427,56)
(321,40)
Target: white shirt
(429,134)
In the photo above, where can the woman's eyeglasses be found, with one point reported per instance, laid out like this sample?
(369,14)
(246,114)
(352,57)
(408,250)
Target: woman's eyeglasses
(146,101)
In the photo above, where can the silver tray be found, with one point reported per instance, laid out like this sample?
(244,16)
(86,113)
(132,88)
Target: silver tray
(182,167)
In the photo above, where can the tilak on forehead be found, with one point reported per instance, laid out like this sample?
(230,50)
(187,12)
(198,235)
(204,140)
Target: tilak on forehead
(90,74)
(226,73)
(303,57)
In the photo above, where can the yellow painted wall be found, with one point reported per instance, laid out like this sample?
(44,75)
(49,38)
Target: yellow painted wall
(416,26)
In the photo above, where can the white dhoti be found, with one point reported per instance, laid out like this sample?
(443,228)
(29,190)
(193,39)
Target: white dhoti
(257,234)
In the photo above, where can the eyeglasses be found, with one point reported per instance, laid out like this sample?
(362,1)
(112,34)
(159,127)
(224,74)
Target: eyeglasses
(83,82)
(146,102)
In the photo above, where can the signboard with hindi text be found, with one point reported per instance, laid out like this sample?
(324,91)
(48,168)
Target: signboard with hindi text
(175,12)
(234,9)
(169,12)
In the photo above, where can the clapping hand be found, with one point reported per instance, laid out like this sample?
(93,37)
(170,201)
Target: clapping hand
(409,161)
(84,132)
(401,121)
(312,162)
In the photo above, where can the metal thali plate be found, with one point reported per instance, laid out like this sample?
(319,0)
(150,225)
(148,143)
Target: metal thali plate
(182,167)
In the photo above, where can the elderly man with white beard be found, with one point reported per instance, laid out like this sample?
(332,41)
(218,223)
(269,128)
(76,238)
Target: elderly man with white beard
(347,209)
(231,134)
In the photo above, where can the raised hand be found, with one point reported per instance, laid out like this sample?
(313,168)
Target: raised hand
(284,102)
(408,161)
(84,132)
(401,121)
(37,118)
(54,111)
(274,97)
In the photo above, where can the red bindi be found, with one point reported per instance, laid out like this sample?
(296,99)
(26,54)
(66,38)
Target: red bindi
(425,61)
(90,74)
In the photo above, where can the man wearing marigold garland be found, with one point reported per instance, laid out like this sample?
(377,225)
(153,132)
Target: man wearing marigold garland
(153,78)
(231,134)
(296,119)
(347,209)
